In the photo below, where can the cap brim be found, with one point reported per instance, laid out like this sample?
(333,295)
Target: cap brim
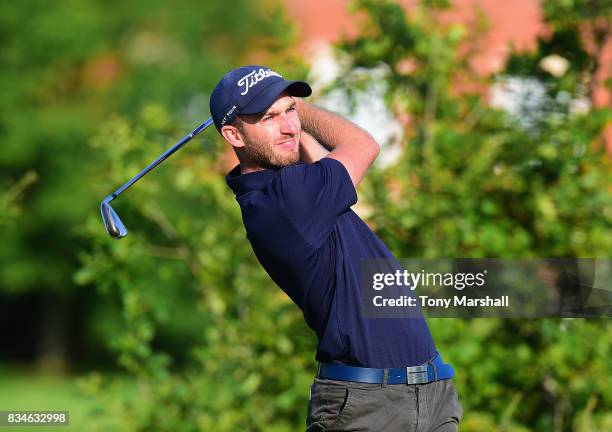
(263,102)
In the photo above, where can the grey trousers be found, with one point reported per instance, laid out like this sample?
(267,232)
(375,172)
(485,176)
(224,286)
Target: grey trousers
(351,406)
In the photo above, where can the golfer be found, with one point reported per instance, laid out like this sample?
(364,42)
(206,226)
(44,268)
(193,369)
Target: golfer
(295,184)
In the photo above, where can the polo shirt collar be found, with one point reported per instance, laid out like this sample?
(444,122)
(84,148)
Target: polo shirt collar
(243,183)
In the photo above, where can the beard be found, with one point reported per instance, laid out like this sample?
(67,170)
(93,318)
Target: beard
(266,155)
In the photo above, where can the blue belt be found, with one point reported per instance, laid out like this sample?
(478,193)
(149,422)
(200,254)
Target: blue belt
(433,370)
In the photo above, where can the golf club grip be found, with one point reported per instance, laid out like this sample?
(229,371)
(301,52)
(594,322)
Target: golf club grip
(163,156)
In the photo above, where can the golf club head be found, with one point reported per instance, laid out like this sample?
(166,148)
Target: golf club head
(111,219)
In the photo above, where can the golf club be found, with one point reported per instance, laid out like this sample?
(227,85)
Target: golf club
(111,219)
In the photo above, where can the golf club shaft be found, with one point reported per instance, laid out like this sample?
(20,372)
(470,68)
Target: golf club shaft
(163,157)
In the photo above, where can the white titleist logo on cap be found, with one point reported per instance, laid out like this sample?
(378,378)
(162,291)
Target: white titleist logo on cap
(252,78)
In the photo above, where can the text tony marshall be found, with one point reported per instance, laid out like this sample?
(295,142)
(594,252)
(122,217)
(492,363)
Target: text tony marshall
(465,301)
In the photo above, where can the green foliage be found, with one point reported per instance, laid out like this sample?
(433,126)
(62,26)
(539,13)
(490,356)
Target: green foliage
(211,342)
(191,288)
(65,66)
(570,12)
(523,375)
(473,181)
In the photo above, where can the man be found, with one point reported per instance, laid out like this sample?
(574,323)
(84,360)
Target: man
(295,184)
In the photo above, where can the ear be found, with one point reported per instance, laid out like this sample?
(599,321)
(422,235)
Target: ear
(232,136)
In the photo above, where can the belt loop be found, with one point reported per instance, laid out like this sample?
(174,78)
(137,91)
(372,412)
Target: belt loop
(435,369)
(385,377)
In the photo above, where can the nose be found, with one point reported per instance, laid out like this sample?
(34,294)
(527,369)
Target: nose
(289,125)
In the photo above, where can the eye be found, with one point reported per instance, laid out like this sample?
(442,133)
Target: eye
(292,108)
(266,118)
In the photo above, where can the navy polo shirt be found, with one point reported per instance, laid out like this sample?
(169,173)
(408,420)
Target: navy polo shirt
(302,229)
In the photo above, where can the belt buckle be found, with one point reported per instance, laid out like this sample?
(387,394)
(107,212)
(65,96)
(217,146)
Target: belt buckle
(416,375)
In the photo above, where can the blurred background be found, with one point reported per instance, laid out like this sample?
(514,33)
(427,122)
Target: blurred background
(496,125)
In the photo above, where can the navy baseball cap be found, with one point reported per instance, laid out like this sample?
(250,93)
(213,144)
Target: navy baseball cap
(250,90)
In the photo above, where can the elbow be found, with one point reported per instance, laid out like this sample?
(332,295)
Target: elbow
(374,147)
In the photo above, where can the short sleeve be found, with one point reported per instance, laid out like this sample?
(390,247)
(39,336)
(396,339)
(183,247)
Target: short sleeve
(314,195)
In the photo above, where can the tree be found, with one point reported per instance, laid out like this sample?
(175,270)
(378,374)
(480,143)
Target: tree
(475,181)
(471,181)
(66,67)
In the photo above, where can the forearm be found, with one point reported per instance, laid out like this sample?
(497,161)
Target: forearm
(328,128)
(355,148)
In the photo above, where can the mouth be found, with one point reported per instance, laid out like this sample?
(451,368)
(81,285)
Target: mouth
(288,144)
